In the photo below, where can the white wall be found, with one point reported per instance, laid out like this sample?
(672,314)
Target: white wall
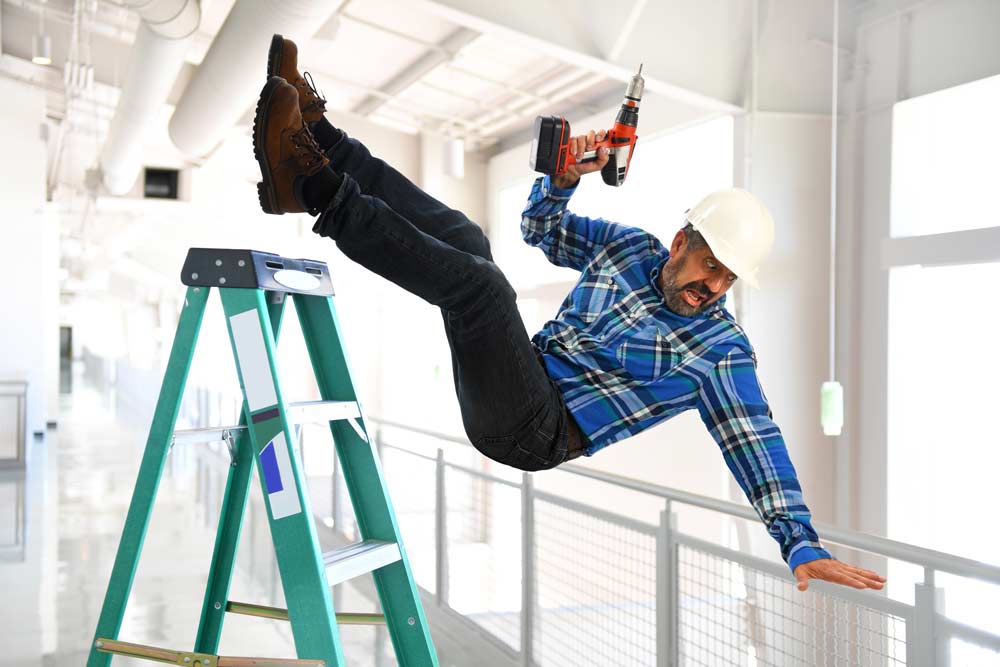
(466,194)
(786,319)
(29,335)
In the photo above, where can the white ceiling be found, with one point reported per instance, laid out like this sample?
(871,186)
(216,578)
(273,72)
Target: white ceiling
(391,61)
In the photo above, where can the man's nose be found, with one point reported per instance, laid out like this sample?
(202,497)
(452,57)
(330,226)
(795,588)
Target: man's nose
(714,284)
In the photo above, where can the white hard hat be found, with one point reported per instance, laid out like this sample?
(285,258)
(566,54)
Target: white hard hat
(737,227)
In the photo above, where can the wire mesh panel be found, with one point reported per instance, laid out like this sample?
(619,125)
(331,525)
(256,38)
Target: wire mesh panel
(595,587)
(411,481)
(731,614)
(484,553)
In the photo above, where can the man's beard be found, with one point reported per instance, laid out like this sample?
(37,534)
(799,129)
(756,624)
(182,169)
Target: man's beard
(672,293)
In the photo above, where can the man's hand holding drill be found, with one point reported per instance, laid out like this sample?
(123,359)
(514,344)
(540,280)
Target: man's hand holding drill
(578,146)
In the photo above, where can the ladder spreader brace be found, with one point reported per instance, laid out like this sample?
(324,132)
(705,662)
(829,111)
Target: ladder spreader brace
(253,286)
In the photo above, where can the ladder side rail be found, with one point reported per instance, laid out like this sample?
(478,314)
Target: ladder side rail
(296,543)
(369,494)
(231,516)
(150,472)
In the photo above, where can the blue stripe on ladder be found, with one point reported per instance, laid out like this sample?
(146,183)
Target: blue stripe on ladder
(269,464)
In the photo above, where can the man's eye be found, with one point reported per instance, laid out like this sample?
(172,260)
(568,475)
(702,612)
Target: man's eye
(710,265)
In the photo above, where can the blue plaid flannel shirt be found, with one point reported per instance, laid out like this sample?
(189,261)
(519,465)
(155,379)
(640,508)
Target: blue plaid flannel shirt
(624,362)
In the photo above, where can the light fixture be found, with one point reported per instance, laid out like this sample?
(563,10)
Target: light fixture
(454,158)
(41,44)
(41,49)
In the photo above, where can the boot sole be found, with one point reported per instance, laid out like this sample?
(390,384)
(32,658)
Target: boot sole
(265,190)
(274,56)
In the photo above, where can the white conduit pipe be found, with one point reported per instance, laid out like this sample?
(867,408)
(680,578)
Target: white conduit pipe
(161,42)
(234,69)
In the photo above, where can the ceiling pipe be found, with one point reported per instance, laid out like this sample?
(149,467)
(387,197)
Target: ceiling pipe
(161,43)
(233,71)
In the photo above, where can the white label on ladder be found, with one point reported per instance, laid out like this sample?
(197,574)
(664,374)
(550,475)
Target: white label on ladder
(282,491)
(252,355)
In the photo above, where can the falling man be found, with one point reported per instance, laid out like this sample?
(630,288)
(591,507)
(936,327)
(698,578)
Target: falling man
(643,336)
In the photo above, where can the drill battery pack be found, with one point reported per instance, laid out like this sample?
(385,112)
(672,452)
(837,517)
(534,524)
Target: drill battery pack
(549,145)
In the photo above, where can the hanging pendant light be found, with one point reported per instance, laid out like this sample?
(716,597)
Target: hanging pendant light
(832,392)
(41,43)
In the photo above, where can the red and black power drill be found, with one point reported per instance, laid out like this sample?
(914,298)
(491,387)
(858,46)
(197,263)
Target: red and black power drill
(550,143)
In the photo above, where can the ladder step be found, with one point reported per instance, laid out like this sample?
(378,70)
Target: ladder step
(301,412)
(322,411)
(357,559)
(156,654)
(277,613)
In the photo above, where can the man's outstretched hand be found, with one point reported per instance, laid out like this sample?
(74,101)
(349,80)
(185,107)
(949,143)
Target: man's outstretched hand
(838,572)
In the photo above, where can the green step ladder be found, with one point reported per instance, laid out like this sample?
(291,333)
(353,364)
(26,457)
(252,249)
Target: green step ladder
(253,286)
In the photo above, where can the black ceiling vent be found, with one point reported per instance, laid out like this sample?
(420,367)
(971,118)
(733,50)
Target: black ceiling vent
(160,183)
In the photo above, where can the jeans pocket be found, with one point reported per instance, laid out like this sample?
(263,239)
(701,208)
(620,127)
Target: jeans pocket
(536,446)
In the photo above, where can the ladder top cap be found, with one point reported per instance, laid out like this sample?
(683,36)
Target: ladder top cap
(253,269)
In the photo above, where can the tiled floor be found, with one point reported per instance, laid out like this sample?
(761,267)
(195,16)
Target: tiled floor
(59,531)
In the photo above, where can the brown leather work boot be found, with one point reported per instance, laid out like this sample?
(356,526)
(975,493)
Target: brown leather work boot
(282,60)
(284,148)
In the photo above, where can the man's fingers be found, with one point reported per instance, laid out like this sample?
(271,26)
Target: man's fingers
(591,136)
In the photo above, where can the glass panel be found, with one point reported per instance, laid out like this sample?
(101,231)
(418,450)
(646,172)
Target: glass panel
(944,148)
(943,450)
(9,425)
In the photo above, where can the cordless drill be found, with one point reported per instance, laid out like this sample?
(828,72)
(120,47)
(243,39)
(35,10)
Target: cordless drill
(550,143)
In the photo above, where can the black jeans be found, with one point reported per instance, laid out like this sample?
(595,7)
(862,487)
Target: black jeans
(512,411)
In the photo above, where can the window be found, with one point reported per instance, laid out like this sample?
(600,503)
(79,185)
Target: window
(944,148)
(942,325)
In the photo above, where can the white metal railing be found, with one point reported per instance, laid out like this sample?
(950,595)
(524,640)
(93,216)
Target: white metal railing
(551,580)
(599,587)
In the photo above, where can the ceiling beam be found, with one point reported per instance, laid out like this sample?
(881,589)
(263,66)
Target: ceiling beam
(444,52)
(543,27)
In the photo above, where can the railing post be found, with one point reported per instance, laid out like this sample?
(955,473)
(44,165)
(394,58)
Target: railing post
(527,569)
(441,531)
(922,646)
(667,591)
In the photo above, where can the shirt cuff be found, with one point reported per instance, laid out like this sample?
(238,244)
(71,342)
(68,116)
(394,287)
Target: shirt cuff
(804,554)
(549,189)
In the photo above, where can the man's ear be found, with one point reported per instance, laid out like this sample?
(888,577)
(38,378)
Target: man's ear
(679,243)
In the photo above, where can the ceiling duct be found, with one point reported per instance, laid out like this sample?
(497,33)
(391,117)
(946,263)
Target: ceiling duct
(234,69)
(161,42)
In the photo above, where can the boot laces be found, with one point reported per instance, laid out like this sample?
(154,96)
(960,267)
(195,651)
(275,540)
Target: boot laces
(309,150)
(318,100)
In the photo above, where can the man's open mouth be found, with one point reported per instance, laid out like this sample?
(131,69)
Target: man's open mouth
(693,297)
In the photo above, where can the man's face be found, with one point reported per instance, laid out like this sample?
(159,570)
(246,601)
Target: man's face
(693,279)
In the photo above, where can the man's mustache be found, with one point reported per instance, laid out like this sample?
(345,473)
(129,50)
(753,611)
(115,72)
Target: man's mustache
(700,287)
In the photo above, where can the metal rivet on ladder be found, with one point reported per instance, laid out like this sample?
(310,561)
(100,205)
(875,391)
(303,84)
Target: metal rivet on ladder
(197,289)
(99,644)
(411,620)
(218,262)
(218,605)
(242,263)
(194,276)
(222,281)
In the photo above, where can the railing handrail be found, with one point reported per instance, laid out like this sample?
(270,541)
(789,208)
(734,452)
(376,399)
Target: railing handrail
(910,553)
